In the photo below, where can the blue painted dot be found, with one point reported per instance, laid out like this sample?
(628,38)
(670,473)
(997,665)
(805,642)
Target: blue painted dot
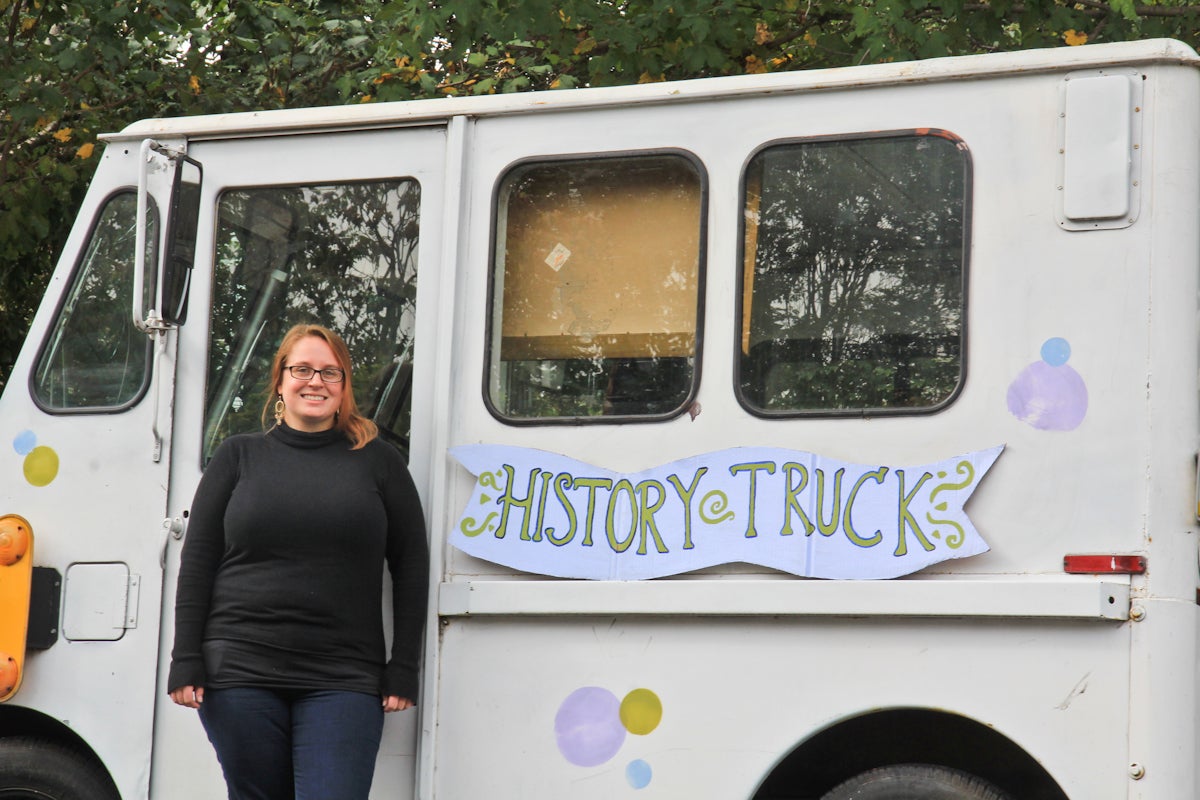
(1056,351)
(25,442)
(638,774)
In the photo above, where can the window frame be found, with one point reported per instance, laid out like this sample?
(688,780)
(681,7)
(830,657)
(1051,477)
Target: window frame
(212,288)
(69,288)
(740,305)
(490,340)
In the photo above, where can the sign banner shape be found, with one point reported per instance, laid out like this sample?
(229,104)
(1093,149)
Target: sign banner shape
(788,510)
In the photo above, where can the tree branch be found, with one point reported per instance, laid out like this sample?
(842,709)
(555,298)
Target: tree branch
(1097,8)
(14,23)
(1144,10)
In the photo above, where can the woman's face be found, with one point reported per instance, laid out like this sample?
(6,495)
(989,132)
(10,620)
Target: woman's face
(310,405)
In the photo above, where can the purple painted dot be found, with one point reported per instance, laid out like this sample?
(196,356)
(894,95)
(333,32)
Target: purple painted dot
(1056,351)
(588,726)
(1049,398)
(24,442)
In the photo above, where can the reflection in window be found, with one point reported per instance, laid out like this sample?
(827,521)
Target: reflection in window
(853,275)
(96,358)
(344,256)
(597,286)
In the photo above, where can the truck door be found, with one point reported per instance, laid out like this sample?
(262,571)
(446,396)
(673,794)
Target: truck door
(87,413)
(332,228)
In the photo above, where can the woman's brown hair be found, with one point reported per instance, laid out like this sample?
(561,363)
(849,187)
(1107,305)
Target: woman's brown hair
(357,428)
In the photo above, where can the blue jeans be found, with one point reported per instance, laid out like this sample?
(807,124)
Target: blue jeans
(294,745)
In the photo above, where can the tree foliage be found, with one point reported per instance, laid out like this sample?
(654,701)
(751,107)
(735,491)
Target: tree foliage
(514,45)
(71,69)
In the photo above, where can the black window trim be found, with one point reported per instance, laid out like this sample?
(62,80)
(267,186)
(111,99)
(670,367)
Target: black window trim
(701,294)
(211,277)
(56,318)
(856,413)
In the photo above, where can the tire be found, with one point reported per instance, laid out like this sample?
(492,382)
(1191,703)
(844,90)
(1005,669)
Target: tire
(37,769)
(915,782)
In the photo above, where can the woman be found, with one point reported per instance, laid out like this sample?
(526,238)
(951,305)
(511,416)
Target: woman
(279,637)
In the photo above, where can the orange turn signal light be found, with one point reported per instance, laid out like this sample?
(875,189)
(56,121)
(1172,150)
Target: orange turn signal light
(10,673)
(16,587)
(14,540)
(1106,564)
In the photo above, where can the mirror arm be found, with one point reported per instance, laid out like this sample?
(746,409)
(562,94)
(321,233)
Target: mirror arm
(139,250)
(150,323)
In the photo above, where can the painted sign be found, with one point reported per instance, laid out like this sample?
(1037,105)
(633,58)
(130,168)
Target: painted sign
(785,509)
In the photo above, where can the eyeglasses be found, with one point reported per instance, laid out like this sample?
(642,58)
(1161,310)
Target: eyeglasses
(328,375)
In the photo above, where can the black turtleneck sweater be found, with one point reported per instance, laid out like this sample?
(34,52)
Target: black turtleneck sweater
(281,575)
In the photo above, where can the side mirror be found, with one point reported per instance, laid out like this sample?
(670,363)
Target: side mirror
(173,275)
(183,217)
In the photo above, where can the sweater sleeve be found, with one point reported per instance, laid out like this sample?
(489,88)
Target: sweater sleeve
(201,557)
(408,563)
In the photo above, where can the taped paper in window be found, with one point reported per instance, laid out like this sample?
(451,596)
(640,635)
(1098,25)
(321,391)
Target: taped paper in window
(558,256)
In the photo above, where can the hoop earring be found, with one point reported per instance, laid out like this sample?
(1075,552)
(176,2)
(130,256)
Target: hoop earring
(279,410)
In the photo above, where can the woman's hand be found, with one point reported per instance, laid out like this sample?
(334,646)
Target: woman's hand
(393,703)
(190,696)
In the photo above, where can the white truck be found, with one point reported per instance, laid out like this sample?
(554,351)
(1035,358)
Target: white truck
(695,380)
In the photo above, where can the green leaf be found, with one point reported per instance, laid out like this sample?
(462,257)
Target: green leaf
(1125,8)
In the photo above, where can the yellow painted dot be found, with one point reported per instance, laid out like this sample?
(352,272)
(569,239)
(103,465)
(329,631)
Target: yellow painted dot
(41,466)
(641,711)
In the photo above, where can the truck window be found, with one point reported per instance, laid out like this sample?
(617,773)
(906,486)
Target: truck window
(95,359)
(339,255)
(853,275)
(596,288)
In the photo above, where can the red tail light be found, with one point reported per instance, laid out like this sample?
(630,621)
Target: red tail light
(1109,564)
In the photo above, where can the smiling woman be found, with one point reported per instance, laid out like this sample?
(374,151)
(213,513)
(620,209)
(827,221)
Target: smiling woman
(240,626)
(310,388)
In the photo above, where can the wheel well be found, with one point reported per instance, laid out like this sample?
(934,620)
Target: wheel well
(906,735)
(24,722)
